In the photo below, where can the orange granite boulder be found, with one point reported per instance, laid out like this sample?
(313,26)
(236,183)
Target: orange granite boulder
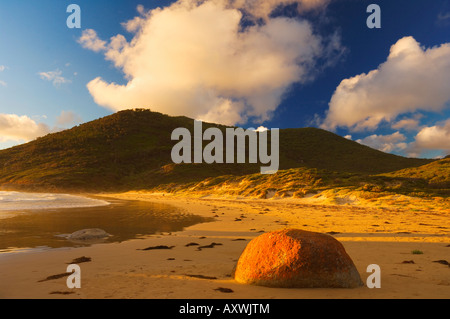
(293,258)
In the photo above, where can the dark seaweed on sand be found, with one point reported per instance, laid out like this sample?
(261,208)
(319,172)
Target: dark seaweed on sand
(54,277)
(201,277)
(80,260)
(212,245)
(157,248)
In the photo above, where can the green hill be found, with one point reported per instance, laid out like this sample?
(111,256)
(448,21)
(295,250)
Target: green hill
(131,150)
(318,148)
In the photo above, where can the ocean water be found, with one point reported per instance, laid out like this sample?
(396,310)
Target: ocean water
(16,201)
(43,221)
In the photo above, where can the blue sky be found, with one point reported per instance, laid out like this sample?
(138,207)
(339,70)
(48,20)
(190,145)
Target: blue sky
(53,77)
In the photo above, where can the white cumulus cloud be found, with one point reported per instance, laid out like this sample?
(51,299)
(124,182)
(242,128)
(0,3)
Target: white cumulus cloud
(413,78)
(435,137)
(407,124)
(20,128)
(386,143)
(193,58)
(89,40)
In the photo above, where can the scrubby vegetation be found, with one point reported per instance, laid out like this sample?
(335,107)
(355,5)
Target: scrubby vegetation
(301,182)
(435,175)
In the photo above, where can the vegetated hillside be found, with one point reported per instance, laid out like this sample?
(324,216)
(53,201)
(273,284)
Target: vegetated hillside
(436,174)
(318,148)
(132,150)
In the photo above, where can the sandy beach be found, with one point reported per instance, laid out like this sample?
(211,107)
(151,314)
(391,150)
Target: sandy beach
(383,236)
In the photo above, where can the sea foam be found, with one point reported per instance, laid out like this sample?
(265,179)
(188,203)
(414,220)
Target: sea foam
(14,201)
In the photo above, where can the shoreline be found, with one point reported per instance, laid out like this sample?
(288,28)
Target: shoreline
(47,201)
(123,219)
(122,270)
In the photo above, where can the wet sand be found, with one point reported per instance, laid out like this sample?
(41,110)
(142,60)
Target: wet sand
(125,219)
(183,271)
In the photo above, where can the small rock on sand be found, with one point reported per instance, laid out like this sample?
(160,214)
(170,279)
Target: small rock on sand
(88,234)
